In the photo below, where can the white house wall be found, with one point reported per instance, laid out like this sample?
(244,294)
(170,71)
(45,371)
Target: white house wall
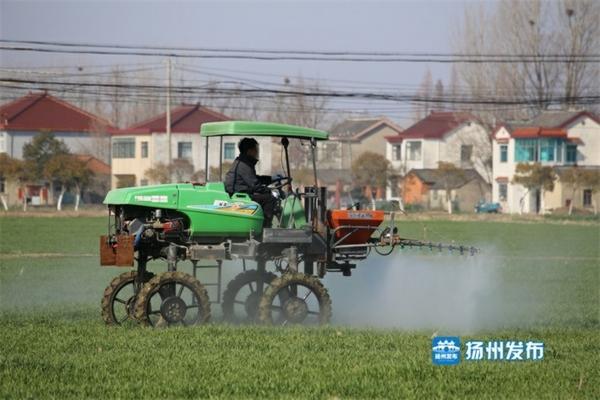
(77,142)
(589,132)
(467,134)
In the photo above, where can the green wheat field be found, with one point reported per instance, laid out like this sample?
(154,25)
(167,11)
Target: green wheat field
(53,343)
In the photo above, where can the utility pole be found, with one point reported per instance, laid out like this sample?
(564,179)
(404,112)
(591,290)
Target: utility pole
(168,114)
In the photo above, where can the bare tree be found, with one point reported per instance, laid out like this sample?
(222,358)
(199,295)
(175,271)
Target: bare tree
(534,177)
(448,174)
(579,34)
(425,92)
(532,31)
(438,94)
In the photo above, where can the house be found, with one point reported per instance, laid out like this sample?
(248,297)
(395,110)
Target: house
(96,190)
(26,117)
(564,194)
(560,139)
(351,138)
(428,188)
(22,119)
(144,145)
(454,137)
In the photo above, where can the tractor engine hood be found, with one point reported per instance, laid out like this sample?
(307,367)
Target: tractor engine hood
(158,196)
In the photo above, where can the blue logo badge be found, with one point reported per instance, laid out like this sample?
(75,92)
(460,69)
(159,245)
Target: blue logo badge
(445,350)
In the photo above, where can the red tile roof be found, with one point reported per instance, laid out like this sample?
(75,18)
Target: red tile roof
(186,118)
(41,111)
(435,126)
(95,165)
(536,131)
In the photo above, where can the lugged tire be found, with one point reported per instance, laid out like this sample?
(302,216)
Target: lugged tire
(290,278)
(235,285)
(111,290)
(154,284)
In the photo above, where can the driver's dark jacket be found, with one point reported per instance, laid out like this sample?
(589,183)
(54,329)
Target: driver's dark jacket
(242,177)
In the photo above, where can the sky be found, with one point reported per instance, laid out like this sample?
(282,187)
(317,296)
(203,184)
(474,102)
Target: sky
(420,26)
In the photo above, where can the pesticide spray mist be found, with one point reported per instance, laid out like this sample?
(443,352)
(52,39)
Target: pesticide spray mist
(415,290)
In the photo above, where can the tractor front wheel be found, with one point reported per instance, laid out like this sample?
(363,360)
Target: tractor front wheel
(172,298)
(119,297)
(306,301)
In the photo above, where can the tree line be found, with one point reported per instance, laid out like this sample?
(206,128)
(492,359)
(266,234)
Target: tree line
(46,159)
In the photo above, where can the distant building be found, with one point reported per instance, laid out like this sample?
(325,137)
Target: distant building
(144,145)
(560,139)
(24,118)
(351,138)
(96,190)
(454,137)
(428,188)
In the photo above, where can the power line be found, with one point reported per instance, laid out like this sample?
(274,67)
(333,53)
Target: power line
(283,51)
(383,96)
(244,56)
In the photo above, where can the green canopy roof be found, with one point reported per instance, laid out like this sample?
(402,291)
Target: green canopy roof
(252,128)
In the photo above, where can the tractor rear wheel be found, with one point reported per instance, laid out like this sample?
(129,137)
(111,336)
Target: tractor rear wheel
(118,300)
(306,301)
(172,298)
(242,296)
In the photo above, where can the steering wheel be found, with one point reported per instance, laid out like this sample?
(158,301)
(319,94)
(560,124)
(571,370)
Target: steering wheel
(280,182)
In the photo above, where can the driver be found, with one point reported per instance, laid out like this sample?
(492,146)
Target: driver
(242,177)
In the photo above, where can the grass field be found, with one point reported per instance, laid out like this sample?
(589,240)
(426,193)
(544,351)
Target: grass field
(545,285)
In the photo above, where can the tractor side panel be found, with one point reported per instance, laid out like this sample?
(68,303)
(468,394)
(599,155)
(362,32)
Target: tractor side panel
(213,213)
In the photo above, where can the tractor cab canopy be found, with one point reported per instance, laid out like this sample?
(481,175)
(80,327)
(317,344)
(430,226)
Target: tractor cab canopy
(251,128)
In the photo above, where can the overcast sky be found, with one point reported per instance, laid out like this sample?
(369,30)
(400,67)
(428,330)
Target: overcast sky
(421,26)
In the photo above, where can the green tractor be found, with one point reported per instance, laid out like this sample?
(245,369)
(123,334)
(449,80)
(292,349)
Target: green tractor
(202,223)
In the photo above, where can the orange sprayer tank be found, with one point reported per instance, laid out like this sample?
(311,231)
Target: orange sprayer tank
(361,224)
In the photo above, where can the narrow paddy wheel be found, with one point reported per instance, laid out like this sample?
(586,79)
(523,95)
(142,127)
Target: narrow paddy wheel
(172,298)
(306,301)
(243,294)
(119,297)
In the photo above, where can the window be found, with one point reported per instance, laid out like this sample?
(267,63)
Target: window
(413,151)
(125,181)
(547,147)
(229,151)
(526,150)
(503,153)
(397,152)
(144,149)
(587,198)
(2,185)
(123,148)
(571,153)
(184,150)
(466,151)
(3,142)
(502,191)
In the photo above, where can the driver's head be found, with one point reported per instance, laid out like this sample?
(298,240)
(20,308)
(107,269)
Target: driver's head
(248,147)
